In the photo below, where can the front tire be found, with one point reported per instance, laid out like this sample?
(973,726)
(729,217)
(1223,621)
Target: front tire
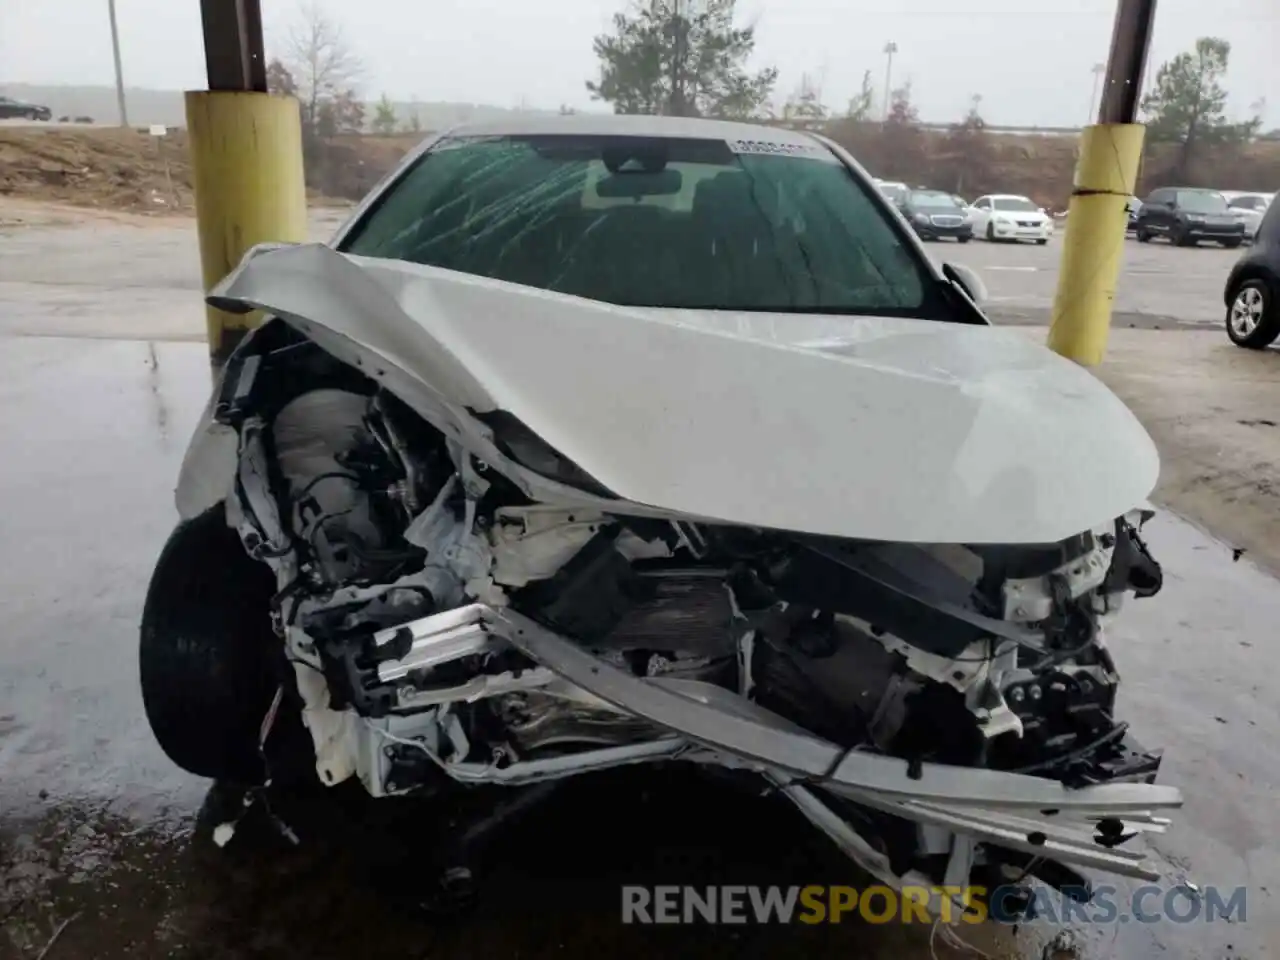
(991,233)
(964,239)
(210,662)
(1253,318)
(1232,244)
(1041,242)
(1142,236)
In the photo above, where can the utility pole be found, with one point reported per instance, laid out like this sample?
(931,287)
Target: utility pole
(1106,175)
(1098,70)
(890,49)
(115,52)
(246,159)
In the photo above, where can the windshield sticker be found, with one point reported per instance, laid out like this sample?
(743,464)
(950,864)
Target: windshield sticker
(454,142)
(778,148)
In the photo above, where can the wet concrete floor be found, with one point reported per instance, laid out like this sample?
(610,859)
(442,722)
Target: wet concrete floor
(96,827)
(64,271)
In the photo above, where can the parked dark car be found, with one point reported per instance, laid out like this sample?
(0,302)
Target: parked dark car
(11,109)
(1252,293)
(1187,215)
(934,214)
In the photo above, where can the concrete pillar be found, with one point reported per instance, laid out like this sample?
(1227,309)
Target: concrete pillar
(1105,178)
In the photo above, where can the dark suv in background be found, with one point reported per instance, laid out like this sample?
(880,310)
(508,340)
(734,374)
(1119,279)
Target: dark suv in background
(1186,215)
(1252,293)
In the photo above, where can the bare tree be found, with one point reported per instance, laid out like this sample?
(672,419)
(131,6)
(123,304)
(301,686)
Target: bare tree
(326,73)
(323,74)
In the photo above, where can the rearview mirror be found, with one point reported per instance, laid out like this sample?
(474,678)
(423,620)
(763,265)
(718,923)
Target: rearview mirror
(639,184)
(967,279)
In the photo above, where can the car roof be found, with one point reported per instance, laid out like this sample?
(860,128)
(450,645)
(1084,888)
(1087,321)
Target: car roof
(609,124)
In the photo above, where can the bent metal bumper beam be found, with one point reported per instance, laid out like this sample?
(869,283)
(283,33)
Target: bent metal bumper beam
(1016,811)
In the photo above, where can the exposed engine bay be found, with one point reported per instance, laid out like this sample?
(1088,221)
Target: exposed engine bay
(938,709)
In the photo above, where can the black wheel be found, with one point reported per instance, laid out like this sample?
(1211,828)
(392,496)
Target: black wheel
(1232,244)
(1141,235)
(991,232)
(1253,318)
(209,661)
(964,239)
(1041,242)
(1180,238)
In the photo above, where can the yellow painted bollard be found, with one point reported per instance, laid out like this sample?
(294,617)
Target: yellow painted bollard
(246,167)
(1093,246)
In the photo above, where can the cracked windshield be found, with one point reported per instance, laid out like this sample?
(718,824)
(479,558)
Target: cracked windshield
(639,478)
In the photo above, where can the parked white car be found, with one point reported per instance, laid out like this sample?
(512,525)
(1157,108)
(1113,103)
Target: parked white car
(895,190)
(1005,216)
(1248,208)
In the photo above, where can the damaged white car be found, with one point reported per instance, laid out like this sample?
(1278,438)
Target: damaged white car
(616,440)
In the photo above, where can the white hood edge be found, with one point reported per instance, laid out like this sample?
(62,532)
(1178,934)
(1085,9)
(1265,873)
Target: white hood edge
(864,427)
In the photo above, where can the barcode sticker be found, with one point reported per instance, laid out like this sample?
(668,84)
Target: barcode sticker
(781,148)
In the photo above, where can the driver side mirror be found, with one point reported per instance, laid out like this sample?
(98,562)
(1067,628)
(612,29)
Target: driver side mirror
(967,279)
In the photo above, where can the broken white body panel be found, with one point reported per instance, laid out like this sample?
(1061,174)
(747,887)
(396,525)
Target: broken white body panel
(914,435)
(887,429)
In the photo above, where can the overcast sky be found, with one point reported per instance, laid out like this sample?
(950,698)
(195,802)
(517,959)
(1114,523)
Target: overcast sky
(1030,60)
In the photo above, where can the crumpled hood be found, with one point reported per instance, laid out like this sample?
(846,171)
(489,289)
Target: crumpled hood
(865,427)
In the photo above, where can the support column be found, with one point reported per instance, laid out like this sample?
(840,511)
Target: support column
(246,159)
(1105,178)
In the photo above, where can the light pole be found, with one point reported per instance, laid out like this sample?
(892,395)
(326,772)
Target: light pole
(115,52)
(890,49)
(1098,70)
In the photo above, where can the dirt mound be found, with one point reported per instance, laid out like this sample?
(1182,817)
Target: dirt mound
(132,171)
(110,169)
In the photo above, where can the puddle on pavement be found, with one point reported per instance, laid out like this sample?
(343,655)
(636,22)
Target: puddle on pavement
(356,884)
(95,824)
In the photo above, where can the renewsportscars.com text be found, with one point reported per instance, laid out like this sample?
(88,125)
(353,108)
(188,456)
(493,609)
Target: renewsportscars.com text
(817,904)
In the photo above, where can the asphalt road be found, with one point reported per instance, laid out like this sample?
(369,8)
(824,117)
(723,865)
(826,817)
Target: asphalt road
(1160,287)
(96,827)
(138,277)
